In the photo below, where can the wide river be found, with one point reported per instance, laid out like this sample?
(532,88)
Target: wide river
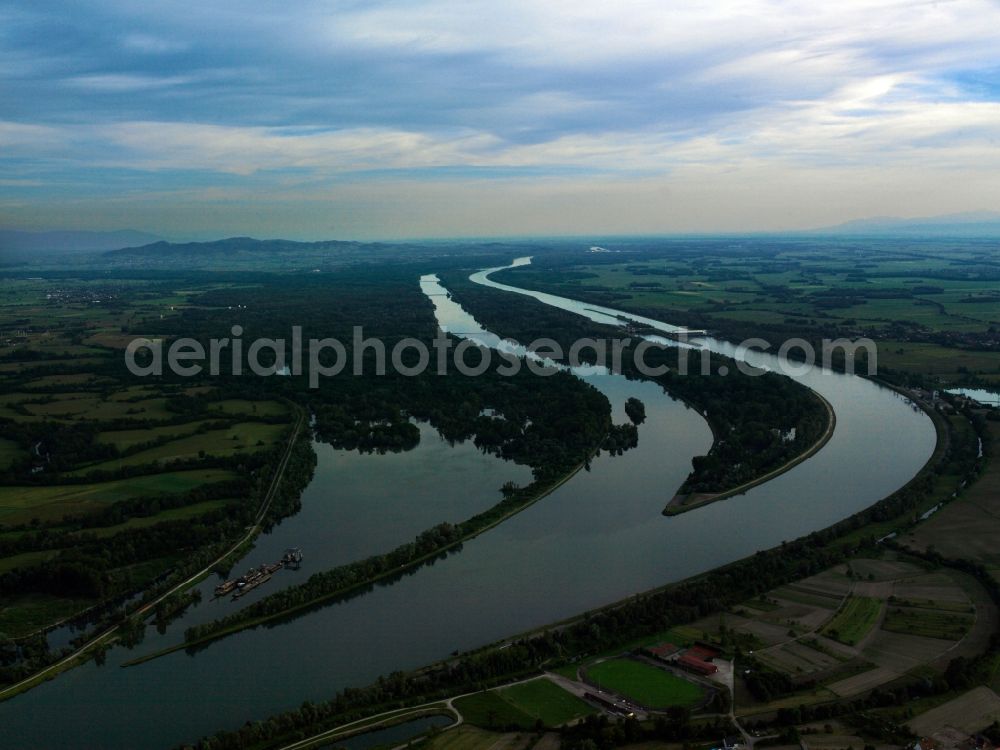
(598,538)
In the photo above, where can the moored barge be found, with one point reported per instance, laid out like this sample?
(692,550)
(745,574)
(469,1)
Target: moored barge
(256,576)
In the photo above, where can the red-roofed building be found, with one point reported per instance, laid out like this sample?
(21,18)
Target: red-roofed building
(696,665)
(662,651)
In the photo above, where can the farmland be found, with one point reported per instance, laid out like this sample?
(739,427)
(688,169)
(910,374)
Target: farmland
(21,504)
(96,462)
(920,301)
(238,438)
(10,452)
(854,627)
(926,621)
(855,619)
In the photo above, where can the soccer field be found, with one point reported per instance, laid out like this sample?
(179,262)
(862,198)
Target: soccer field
(643,683)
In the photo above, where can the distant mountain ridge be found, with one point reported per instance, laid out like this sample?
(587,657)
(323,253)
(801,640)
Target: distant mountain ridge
(19,242)
(971,224)
(227,246)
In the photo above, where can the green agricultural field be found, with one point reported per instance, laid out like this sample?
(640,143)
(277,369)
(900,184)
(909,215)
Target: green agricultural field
(143,573)
(949,626)
(10,452)
(815,289)
(489,711)
(761,604)
(95,408)
(61,368)
(173,514)
(242,407)
(125,439)
(134,393)
(55,381)
(961,607)
(643,683)
(807,597)
(27,613)
(26,559)
(934,359)
(468,737)
(854,620)
(543,699)
(62,405)
(50,503)
(245,437)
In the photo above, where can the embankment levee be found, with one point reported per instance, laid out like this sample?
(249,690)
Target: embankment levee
(682,503)
(362,585)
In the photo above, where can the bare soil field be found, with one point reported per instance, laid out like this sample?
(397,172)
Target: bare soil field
(901,653)
(985,625)
(883,570)
(798,659)
(863,682)
(968,713)
(936,588)
(768,633)
(810,596)
(835,647)
(834,581)
(833,741)
(801,615)
(874,589)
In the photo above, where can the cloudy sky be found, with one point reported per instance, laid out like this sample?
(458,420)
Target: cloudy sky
(350,118)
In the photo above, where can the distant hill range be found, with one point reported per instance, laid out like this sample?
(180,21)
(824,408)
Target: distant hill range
(14,243)
(228,246)
(978,224)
